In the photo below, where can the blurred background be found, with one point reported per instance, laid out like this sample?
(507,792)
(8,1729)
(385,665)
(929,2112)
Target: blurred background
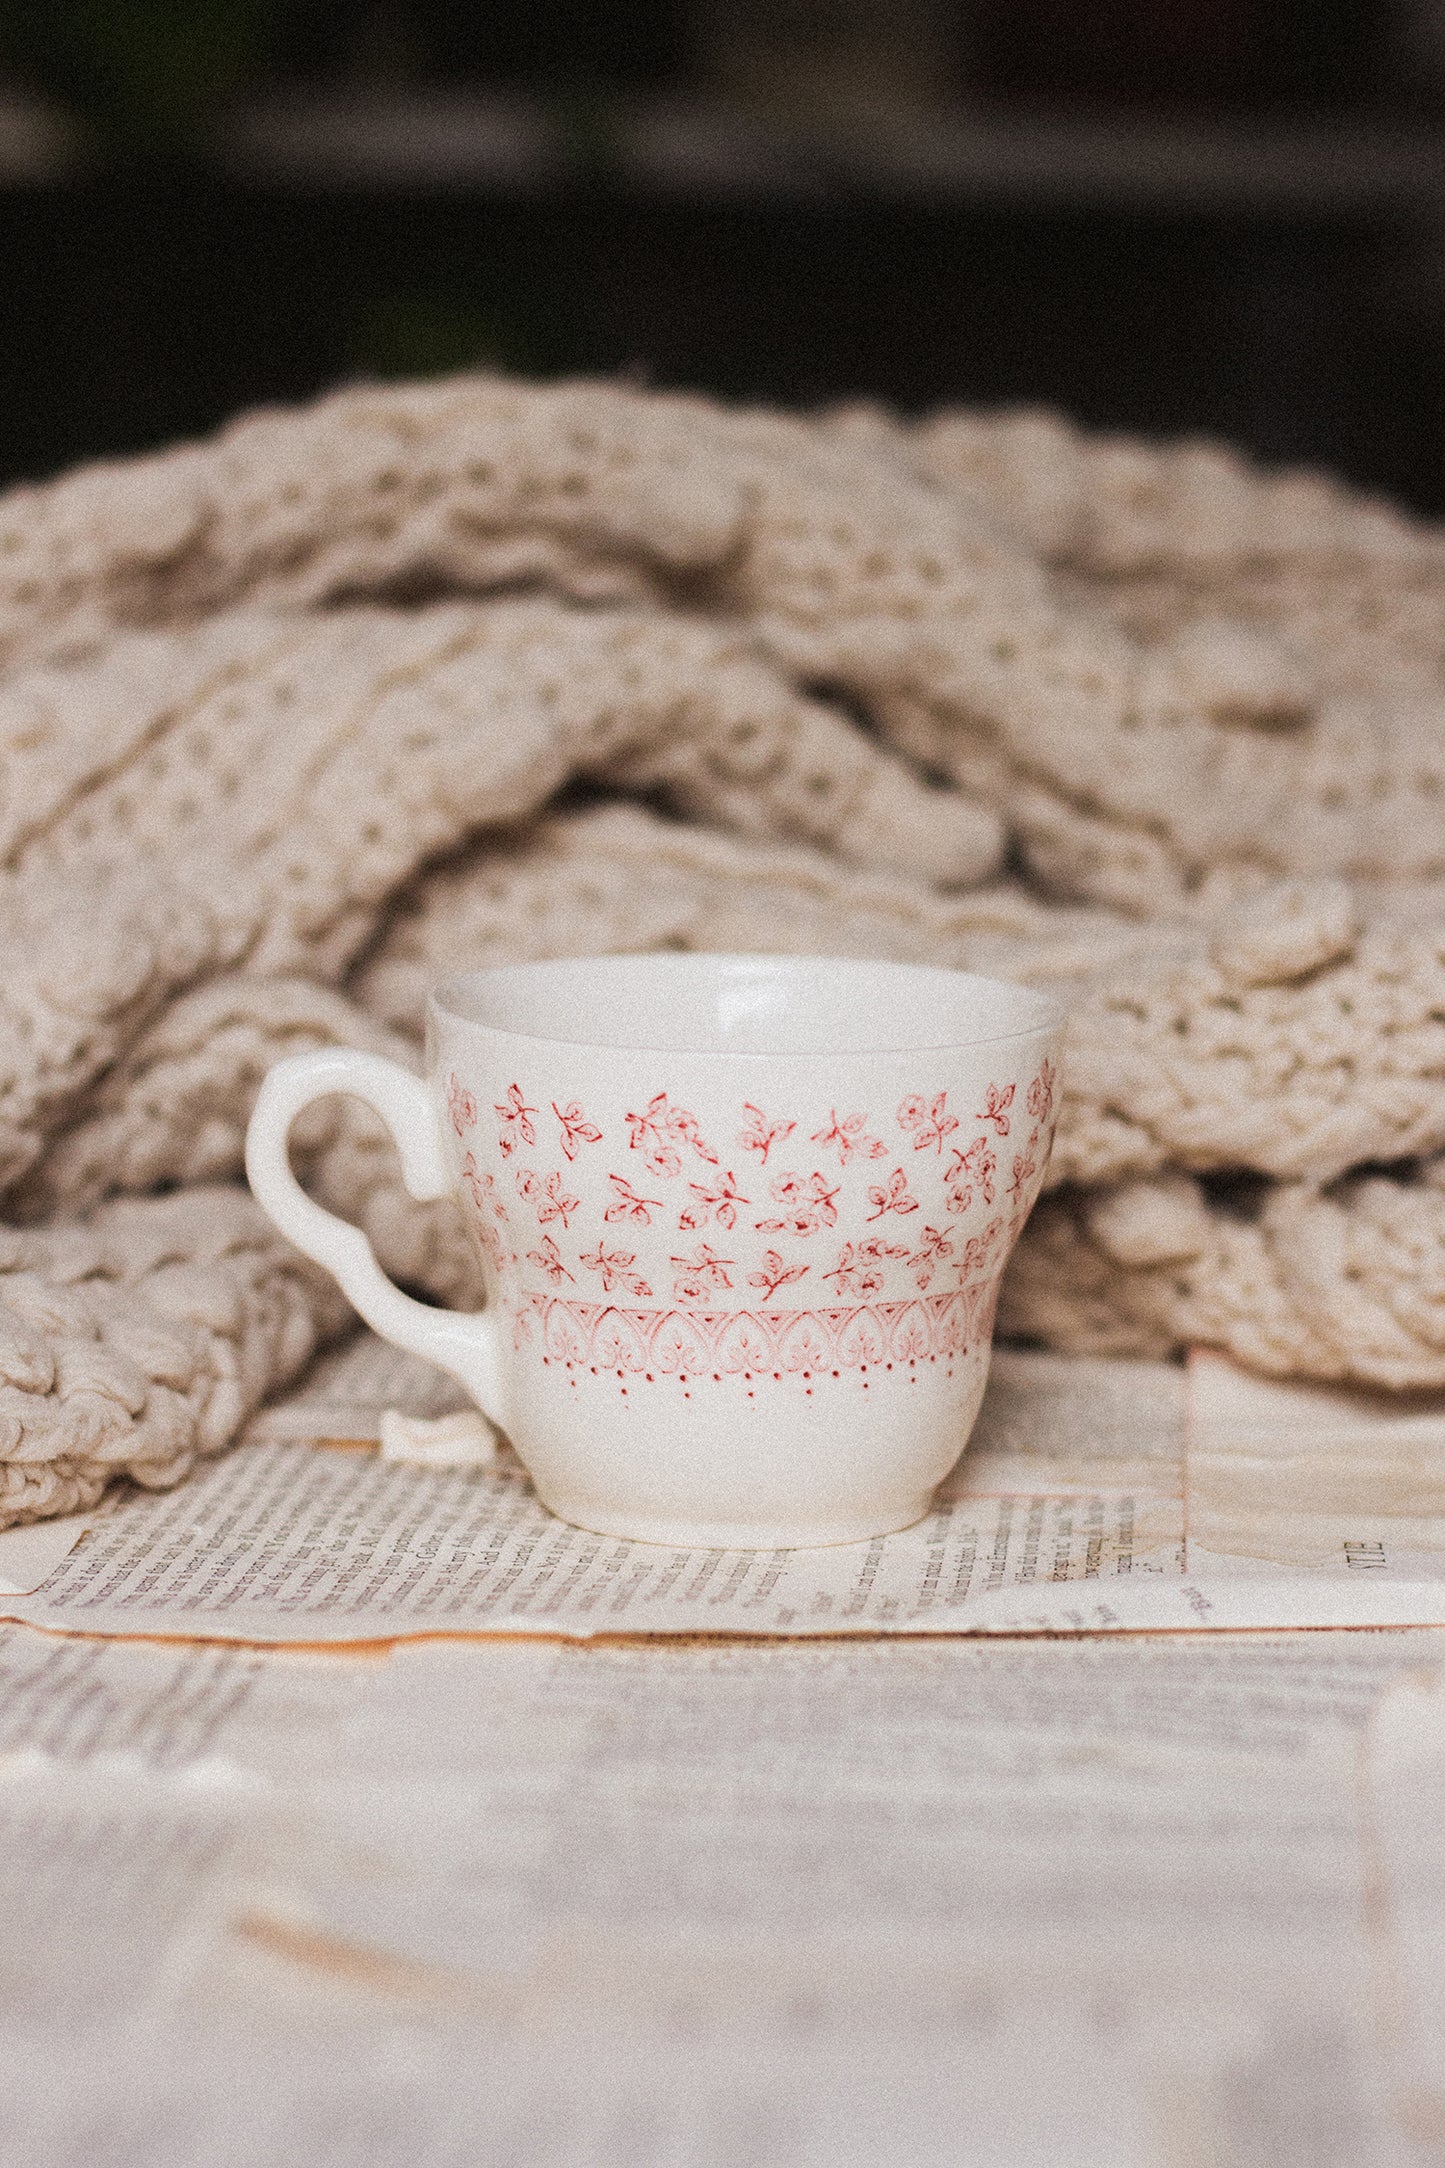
(1165,216)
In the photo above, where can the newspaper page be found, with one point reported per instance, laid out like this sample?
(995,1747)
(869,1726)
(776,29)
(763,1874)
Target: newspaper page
(943,1902)
(1003,1902)
(166,1943)
(137,1802)
(1095,1496)
(1288,1478)
(1406,1770)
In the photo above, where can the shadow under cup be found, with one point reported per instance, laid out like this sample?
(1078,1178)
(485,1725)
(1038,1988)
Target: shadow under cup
(743,1221)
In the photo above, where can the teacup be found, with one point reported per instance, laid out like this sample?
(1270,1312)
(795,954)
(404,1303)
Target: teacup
(742,1222)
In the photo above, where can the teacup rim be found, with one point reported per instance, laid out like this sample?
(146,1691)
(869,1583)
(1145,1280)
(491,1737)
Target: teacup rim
(1051,1017)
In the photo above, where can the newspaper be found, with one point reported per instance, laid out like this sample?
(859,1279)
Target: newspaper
(1125,1904)
(138,1802)
(1095,1496)
(950,1804)
(1167,1901)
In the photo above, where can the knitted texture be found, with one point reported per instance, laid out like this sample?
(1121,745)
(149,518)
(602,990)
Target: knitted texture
(294,721)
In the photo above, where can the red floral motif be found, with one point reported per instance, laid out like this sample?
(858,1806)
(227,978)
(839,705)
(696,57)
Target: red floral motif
(979,1250)
(516,1119)
(616,1344)
(568,1326)
(719,1203)
(675,1347)
(627,1205)
(804,1343)
(615,1266)
(576,1129)
(807,1204)
(546,1197)
(745,1346)
(995,1108)
(775,1274)
(1025,1167)
(483,1188)
(893,1196)
(461,1106)
(931,1251)
(974,1168)
(929,1120)
(801,1204)
(858,1270)
(911,1341)
(762,1342)
(849,1135)
(548,1259)
(758,1134)
(701,1275)
(862,1341)
(1040,1101)
(491,1212)
(661,1131)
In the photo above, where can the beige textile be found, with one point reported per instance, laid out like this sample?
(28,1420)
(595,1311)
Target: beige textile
(477,670)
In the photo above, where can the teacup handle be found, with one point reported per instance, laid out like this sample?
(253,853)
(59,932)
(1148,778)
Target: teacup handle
(467,1344)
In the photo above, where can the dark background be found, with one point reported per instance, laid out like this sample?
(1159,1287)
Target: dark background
(1167,216)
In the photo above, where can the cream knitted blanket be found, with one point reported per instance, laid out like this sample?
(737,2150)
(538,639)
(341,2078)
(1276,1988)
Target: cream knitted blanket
(293,720)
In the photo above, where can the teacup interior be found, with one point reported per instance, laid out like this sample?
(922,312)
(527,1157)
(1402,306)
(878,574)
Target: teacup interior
(746,1004)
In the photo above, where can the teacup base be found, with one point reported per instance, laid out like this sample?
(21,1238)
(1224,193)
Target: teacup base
(738,1463)
(737,1535)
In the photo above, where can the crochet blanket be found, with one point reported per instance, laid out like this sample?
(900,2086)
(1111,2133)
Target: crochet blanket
(294,720)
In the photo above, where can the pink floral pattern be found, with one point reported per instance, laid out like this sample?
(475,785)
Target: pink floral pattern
(461,1105)
(979,1250)
(759,1135)
(548,1259)
(575,1127)
(718,1202)
(1040,1101)
(892,1196)
(662,1132)
(773,1274)
(995,1108)
(930,1122)
(615,1268)
(859,1270)
(491,1213)
(547,1198)
(516,1120)
(932,1252)
(847,1135)
(483,1188)
(627,1205)
(970,1170)
(918,1231)
(702,1274)
(1025,1167)
(806,1204)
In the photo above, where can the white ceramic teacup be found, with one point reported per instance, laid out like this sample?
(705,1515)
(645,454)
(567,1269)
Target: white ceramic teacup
(742,1219)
